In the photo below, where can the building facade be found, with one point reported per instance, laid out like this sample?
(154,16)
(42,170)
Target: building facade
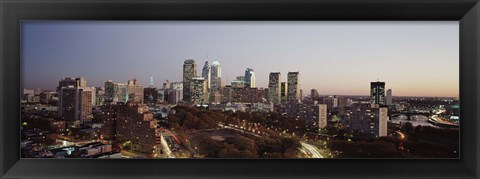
(377,93)
(388,100)
(189,72)
(274,88)
(249,78)
(293,90)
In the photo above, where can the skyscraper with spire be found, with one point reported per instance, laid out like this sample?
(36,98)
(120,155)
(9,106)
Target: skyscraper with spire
(206,74)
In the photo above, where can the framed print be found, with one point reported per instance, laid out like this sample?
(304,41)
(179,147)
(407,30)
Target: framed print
(247,89)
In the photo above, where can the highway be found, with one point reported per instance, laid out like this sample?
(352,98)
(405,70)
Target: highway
(312,150)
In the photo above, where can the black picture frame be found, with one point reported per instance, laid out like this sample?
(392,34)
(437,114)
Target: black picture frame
(467,12)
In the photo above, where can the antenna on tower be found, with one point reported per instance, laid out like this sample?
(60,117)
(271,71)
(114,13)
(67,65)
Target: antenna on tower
(151,82)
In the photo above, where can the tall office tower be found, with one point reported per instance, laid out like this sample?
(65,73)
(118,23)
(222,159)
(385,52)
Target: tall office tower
(67,96)
(377,93)
(189,71)
(120,93)
(135,92)
(293,92)
(80,82)
(283,91)
(174,96)
(76,101)
(177,85)
(249,78)
(206,74)
(274,87)
(99,96)
(166,84)
(216,69)
(65,82)
(216,76)
(389,97)
(109,92)
(198,89)
(322,111)
(331,102)
(85,98)
(314,94)
(239,82)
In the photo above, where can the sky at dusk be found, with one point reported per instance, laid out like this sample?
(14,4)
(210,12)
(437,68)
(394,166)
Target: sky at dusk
(413,58)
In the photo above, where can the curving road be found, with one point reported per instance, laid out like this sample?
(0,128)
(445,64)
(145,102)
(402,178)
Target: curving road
(312,150)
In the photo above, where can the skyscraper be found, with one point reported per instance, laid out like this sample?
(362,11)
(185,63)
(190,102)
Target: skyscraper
(109,92)
(249,78)
(206,74)
(189,71)
(65,82)
(314,94)
(120,93)
(198,89)
(377,93)
(216,76)
(322,116)
(67,96)
(293,92)
(274,87)
(283,91)
(135,91)
(75,101)
(389,97)
(216,69)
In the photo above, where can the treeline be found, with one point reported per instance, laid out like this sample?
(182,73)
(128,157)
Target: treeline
(419,142)
(245,147)
(193,118)
(427,142)
(187,119)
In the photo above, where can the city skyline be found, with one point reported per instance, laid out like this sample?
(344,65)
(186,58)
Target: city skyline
(422,57)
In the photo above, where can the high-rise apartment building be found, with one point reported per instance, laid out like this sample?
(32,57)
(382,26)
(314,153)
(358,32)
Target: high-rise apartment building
(293,90)
(377,93)
(136,125)
(366,119)
(274,87)
(322,116)
(389,97)
(76,99)
(189,72)
(249,78)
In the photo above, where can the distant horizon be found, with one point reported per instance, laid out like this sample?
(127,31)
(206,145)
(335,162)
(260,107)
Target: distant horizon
(414,59)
